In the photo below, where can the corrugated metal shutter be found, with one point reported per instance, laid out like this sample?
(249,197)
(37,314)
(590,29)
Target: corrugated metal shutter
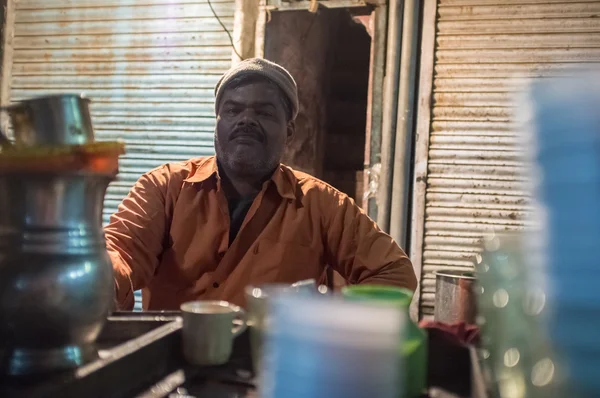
(149,67)
(485,51)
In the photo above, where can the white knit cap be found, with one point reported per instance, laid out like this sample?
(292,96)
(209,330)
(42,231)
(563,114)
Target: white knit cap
(267,69)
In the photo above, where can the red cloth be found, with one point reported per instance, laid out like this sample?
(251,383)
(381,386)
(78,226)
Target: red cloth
(460,332)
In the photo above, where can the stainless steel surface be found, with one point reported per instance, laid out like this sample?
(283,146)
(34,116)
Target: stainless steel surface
(400,188)
(208,331)
(309,285)
(455,299)
(53,120)
(390,107)
(484,54)
(56,284)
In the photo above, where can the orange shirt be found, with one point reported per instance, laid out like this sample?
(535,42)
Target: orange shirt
(172,230)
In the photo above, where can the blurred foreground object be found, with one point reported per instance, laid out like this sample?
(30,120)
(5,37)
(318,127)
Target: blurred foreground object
(322,347)
(258,299)
(56,281)
(512,309)
(414,339)
(565,118)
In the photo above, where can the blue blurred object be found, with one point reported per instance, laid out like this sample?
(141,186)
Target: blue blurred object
(323,347)
(566,120)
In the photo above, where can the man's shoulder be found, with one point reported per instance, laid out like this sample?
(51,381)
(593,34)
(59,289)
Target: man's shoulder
(313,187)
(178,170)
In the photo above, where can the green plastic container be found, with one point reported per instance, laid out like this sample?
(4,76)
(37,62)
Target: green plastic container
(414,346)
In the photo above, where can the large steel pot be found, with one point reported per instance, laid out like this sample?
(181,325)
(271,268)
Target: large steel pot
(455,299)
(56,284)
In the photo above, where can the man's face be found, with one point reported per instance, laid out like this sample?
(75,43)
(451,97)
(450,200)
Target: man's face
(252,129)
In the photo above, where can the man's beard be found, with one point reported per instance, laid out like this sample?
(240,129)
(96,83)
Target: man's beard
(246,162)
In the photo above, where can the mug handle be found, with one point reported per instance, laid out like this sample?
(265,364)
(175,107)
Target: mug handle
(242,322)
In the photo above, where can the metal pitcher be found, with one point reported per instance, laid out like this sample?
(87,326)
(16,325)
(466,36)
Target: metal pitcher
(49,121)
(56,282)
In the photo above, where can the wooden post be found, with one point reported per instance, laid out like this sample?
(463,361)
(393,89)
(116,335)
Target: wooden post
(423,124)
(6,55)
(244,29)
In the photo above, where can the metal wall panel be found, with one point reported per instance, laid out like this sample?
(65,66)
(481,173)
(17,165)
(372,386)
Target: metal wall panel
(486,50)
(149,67)
(295,5)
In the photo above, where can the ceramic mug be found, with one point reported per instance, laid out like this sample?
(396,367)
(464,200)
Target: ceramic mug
(209,328)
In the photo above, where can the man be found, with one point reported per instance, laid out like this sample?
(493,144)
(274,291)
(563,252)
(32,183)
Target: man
(208,227)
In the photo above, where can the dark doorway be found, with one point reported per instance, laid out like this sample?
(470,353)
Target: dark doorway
(328,53)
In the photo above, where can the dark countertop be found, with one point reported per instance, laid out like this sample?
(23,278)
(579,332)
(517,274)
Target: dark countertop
(235,380)
(147,362)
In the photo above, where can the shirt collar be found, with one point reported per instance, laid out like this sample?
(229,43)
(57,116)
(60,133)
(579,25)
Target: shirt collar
(283,178)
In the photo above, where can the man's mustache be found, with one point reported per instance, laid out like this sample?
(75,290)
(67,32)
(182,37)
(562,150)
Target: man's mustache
(248,131)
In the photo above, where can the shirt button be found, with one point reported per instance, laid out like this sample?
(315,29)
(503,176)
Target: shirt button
(215,284)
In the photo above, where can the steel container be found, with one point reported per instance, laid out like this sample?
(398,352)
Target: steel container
(53,120)
(56,279)
(56,282)
(455,299)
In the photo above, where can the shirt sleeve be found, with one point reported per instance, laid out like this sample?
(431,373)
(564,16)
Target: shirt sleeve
(135,236)
(362,253)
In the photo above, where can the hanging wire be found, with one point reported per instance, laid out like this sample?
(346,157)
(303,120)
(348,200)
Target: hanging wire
(225,29)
